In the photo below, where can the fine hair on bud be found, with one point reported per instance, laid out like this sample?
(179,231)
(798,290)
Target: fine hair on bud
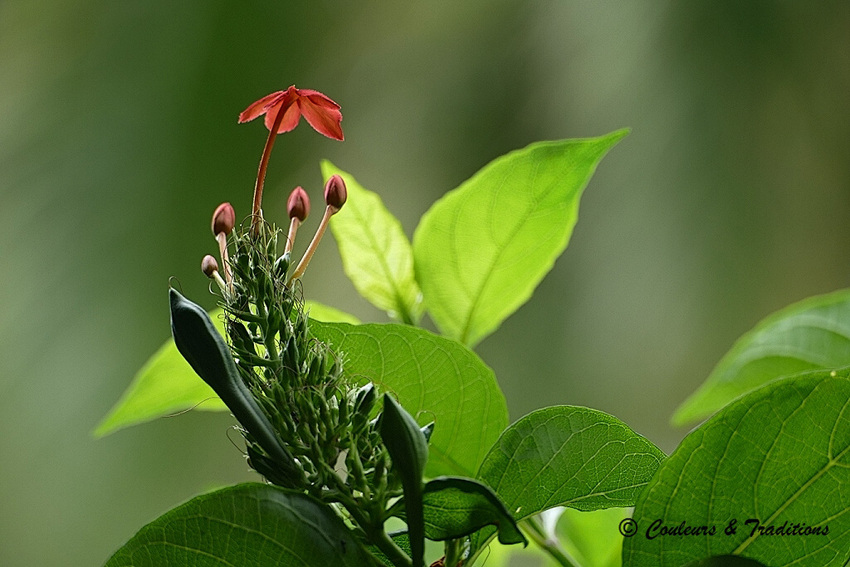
(209,266)
(298,204)
(335,192)
(223,219)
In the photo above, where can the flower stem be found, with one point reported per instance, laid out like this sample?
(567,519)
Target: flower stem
(311,249)
(261,174)
(535,531)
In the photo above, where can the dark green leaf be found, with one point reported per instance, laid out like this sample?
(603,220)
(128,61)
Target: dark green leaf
(436,379)
(779,456)
(166,384)
(480,251)
(375,252)
(569,456)
(813,334)
(455,507)
(409,452)
(249,525)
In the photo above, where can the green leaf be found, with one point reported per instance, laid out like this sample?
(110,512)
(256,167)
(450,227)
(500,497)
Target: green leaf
(375,252)
(812,334)
(457,506)
(779,456)
(569,456)
(592,538)
(167,385)
(435,379)
(725,561)
(409,453)
(249,525)
(480,251)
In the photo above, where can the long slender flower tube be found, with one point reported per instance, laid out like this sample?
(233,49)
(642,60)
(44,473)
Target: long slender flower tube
(283,111)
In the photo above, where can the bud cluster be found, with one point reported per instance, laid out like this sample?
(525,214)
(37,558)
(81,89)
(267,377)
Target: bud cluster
(307,426)
(325,421)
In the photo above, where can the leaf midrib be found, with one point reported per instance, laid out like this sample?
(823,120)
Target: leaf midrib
(476,300)
(406,316)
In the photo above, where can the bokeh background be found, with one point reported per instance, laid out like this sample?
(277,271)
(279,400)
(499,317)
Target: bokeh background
(118,137)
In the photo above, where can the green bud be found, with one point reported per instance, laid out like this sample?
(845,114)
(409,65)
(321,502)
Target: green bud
(206,352)
(281,266)
(365,399)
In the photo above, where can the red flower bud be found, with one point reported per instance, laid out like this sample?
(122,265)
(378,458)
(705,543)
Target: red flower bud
(223,219)
(335,192)
(209,266)
(298,205)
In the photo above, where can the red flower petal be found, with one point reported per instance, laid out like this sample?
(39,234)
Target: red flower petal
(291,117)
(260,107)
(322,114)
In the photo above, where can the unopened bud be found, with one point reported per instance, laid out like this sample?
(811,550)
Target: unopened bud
(298,205)
(209,266)
(335,192)
(223,219)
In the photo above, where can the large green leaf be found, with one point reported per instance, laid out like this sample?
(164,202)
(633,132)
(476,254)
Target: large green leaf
(812,334)
(166,384)
(435,379)
(779,456)
(481,250)
(569,456)
(249,525)
(375,252)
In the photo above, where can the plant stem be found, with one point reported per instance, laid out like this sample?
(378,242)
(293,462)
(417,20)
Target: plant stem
(453,555)
(311,249)
(261,173)
(534,531)
(393,552)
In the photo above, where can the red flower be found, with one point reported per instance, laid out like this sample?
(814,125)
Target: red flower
(320,111)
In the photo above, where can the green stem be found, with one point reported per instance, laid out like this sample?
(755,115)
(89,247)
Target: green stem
(535,532)
(453,552)
(388,547)
(375,533)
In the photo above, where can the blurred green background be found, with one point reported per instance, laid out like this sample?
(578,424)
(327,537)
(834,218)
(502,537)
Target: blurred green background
(118,137)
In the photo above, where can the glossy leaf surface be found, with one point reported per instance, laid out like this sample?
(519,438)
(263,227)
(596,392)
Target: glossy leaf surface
(435,379)
(812,334)
(481,250)
(375,252)
(779,456)
(250,525)
(569,456)
(456,507)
